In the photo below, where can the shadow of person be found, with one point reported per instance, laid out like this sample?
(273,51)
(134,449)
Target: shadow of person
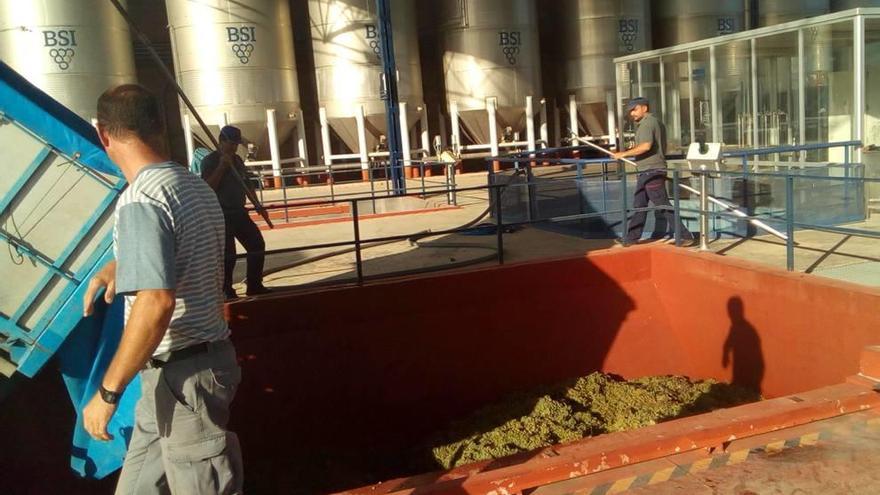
(744,346)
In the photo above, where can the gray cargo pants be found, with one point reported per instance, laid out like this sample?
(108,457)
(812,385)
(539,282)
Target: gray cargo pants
(180,444)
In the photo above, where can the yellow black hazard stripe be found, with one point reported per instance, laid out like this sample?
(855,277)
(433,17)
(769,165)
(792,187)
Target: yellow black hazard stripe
(726,459)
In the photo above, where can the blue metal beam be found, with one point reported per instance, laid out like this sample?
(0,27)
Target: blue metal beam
(389,94)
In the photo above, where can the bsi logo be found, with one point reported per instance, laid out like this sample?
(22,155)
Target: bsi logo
(61,44)
(510,42)
(243,41)
(628,31)
(372,36)
(726,25)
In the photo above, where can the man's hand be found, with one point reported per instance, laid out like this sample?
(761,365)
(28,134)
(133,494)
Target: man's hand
(618,155)
(104,279)
(96,417)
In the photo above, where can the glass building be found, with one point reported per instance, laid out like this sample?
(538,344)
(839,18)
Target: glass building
(815,80)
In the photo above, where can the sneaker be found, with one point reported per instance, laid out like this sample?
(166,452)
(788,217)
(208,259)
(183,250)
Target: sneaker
(622,242)
(258,291)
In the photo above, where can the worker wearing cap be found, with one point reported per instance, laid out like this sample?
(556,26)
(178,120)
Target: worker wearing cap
(651,161)
(217,172)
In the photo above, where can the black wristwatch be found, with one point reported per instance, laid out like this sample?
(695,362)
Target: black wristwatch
(108,396)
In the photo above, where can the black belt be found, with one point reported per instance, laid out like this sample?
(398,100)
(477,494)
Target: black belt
(172,356)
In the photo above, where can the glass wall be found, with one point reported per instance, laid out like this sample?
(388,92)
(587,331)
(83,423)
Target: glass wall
(677,101)
(773,87)
(828,87)
(627,88)
(871,154)
(734,91)
(701,76)
(650,87)
(776,122)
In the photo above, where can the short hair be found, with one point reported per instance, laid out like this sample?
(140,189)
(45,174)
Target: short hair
(132,110)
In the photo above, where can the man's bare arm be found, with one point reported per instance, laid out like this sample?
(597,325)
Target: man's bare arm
(146,326)
(147,323)
(634,151)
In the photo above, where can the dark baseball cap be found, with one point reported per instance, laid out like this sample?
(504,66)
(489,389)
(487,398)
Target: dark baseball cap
(231,133)
(638,100)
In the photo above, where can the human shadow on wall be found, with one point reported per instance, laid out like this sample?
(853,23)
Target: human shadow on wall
(743,348)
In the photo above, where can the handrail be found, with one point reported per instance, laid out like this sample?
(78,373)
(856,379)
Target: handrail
(495,192)
(789,149)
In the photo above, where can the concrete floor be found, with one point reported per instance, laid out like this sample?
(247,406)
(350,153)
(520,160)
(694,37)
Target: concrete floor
(842,257)
(839,457)
(852,259)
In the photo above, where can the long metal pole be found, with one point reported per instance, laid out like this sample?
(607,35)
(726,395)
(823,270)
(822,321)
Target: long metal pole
(732,208)
(192,109)
(389,94)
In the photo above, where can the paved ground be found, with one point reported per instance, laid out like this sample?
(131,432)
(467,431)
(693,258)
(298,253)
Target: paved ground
(854,259)
(841,457)
(849,258)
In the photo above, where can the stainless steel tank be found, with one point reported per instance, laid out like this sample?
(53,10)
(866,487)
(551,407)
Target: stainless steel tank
(73,50)
(490,49)
(234,59)
(683,21)
(771,12)
(838,5)
(345,39)
(593,33)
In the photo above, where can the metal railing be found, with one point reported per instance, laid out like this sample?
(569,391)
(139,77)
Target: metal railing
(788,214)
(378,172)
(606,174)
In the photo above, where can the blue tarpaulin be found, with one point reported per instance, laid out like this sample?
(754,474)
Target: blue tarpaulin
(83,359)
(83,347)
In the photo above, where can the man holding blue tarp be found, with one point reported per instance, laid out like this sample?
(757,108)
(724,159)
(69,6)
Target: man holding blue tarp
(168,243)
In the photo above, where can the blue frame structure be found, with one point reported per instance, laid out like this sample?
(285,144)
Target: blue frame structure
(66,136)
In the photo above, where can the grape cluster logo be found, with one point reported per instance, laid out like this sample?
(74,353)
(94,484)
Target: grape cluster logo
(62,56)
(510,42)
(243,51)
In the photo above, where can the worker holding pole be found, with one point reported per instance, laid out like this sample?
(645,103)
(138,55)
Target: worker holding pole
(649,157)
(217,170)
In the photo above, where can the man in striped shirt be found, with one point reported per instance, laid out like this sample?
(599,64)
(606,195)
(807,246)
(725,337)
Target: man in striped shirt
(168,243)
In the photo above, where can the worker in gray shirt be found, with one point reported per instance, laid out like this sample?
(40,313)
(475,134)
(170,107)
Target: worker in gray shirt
(168,242)
(651,185)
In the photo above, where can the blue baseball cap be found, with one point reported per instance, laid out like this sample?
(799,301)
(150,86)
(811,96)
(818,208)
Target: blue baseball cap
(638,100)
(231,133)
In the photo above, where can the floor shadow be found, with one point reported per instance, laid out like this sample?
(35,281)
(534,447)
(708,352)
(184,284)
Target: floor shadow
(743,348)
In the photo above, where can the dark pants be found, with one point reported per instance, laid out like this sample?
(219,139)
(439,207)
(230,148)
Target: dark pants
(651,186)
(240,226)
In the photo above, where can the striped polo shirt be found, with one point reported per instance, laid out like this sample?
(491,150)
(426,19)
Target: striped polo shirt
(169,234)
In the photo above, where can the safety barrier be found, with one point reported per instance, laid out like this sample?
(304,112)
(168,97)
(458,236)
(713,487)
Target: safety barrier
(608,172)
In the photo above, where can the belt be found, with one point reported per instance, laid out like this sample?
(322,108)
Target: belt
(180,354)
